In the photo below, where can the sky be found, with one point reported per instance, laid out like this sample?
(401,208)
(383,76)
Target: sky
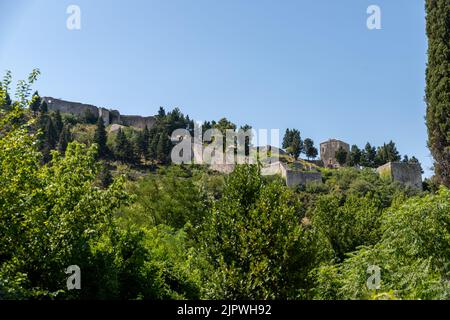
(306,64)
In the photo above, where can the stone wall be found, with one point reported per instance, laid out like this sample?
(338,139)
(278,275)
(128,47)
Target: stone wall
(137,121)
(293,178)
(328,152)
(405,173)
(108,116)
(74,108)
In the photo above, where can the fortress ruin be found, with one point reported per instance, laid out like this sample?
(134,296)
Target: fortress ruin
(109,116)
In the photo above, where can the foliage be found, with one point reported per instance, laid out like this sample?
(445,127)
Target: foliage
(438,86)
(255,242)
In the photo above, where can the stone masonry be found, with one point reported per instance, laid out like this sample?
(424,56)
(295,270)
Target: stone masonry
(328,151)
(108,116)
(406,173)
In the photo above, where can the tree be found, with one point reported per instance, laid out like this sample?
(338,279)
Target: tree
(341,156)
(43,107)
(125,149)
(287,139)
(368,156)
(161,113)
(7,103)
(35,103)
(152,144)
(387,153)
(57,121)
(438,86)
(163,148)
(293,143)
(310,150)
(143,142)
(355,156)
(48,137)
(100,138)
(105,176)
(254,241)
(64,139)
(248,139)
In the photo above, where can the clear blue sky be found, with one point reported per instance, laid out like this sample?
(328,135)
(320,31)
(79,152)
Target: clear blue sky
(311,65)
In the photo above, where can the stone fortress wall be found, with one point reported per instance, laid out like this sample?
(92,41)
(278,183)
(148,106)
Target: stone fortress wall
(108,116)
(406,173)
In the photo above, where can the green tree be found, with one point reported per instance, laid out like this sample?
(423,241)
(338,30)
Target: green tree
(387,153)
(48,137)
(58,123)
(355,156)
(64,139)
(254,241)
(310,150)
(287,139)
(341,156)
(35,103)
(43,107)
(368,156)
(122,147)
(293,143)
(143,143)
(100,138)
(438,86)
(163,148)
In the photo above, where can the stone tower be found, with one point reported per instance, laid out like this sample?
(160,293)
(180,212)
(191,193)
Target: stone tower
(328,151)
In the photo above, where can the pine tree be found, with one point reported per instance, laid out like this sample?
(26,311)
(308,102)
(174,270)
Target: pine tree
(355,156)
(310,150)
(287,139)
(438,86)
(35,104)
(100,138)
(368,156)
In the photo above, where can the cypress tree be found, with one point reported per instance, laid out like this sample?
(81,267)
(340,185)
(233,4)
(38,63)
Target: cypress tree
(64,139)
(100,138)
(163,148)
(57,120)
(438,86)
(121,146)
(48,138)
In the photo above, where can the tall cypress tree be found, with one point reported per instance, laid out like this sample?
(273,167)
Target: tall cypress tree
(438,86)
(48,138)
(121,146)
(100,138)
(163,148)
(57,121)
(64,139)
